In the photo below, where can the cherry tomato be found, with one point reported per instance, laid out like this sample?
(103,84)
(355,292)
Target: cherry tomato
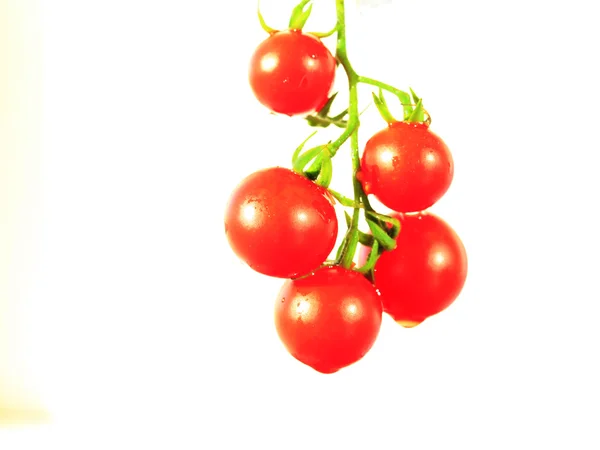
(425,273)
(406,167)
(292,73)
(328,320)
(280,223)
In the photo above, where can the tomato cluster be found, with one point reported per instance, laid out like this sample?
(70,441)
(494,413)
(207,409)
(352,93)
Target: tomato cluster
(282,222)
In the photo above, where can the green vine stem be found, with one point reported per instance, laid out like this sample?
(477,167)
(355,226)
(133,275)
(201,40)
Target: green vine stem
(315,163)
(347,255)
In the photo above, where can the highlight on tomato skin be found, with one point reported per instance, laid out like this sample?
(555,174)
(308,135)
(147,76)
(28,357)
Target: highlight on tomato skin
(424,274)
(292,73)
(329,319)
(406,167)
(281,223)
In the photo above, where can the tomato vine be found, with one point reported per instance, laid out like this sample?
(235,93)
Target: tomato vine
(282,222)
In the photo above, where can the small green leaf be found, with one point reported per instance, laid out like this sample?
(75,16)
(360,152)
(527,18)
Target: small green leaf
(300,15)
(263,24)
(381,235)
(300,147)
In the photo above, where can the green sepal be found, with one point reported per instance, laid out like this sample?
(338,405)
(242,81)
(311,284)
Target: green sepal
(315,167)
(406,104)
(382,107)
(300,15)
(348,219)
(418,114)
(306,157)
(341,115)
(348,253)
(263,24)
(325,109)
(340,250)
(371,259)
(383,219)
(387,242)
(364,238)
(321,119)
(414,96)
(326,172)
(324,122)
(344,201)
(300,147)
(325,35)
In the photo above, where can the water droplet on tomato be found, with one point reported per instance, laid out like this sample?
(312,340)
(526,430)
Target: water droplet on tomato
(408,323)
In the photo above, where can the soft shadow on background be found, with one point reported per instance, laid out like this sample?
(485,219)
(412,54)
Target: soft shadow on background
(20,108)
(125,314)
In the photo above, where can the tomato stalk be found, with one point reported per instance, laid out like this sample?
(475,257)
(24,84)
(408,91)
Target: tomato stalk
(315,163)
(351,241)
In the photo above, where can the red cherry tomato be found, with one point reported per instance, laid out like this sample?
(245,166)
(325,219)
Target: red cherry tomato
(292,73)
(406,167)
(280,223)
(426,271)
(329,319)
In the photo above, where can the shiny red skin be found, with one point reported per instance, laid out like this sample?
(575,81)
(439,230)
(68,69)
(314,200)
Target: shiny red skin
(292,73)
(328,320)
(426,271)
(280,223)
(406,167)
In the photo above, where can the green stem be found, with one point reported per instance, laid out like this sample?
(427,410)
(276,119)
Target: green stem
(380,238)
(347,256)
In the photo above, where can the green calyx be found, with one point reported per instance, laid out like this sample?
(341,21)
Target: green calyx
(298,18)
(412,105)
(418,113)
(301,161)
(382,107)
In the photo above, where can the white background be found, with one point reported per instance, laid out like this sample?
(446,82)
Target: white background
(146,330)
